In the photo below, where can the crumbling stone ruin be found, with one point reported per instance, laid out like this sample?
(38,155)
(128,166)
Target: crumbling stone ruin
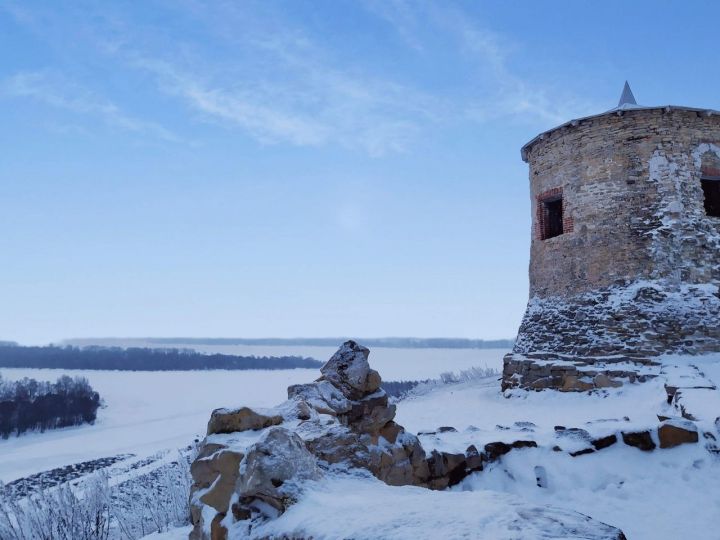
(625,251)
(255,463)
(252,462)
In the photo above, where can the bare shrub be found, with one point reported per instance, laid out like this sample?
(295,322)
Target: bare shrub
(155,502)
(59,514)
(95,510)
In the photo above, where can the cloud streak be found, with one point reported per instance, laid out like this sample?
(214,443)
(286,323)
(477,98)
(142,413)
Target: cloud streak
(505,93)
(283,79)
(58,92)
(312,104)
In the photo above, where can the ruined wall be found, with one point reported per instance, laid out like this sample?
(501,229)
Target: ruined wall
(637,270)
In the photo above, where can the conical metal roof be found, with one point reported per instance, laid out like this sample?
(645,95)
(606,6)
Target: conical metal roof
(627,97)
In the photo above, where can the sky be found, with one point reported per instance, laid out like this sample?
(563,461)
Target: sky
(300,168)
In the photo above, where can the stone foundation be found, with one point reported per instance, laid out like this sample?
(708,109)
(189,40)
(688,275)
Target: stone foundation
(538,371)
(560,339)
(645,318)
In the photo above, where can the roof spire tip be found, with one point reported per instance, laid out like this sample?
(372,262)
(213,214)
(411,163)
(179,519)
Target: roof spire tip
(627,97)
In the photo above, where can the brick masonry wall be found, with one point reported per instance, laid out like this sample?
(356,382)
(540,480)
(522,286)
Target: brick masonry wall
(637,269)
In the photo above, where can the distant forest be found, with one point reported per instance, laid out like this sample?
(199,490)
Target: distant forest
(391,342)
(140,359)
(28,405)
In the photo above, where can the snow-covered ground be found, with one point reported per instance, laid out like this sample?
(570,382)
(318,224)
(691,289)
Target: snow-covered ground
(147,412)
(144,412)
(665,494)
(373,510)
(481,414)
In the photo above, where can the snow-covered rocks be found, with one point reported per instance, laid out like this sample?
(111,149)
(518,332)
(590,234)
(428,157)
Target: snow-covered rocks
(242,419)
(595,471)
(691,393)
(215,471)
(494,450)
(343,420)
(321,396)
(255,464)
(639,439)
(272,472)
(349,370)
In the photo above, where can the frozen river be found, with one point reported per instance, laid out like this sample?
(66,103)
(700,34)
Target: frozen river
(146,412)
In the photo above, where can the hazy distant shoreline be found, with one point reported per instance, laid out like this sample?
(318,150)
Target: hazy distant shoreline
(390,342)
(103,357)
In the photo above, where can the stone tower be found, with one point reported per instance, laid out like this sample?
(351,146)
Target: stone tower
(625,253)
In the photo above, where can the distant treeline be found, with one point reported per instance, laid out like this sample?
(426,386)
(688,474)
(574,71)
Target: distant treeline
(140,359)
(392,342)
(28,405)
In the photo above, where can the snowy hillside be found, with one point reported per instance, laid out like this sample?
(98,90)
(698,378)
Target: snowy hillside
(599,455)
(663,494)
(560,466)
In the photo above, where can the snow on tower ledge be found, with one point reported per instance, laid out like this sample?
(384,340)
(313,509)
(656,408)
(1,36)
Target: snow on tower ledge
(625,251)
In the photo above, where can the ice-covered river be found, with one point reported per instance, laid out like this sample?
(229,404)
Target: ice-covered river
(150,411)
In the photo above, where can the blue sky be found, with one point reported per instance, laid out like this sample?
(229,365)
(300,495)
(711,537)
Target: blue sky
(300,168)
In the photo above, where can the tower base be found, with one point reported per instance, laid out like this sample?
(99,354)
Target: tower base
(613,334)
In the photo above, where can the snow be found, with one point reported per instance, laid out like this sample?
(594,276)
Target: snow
(147,412)
(371,510)
(709,365)
(179,533)
(476,409)
(663,494)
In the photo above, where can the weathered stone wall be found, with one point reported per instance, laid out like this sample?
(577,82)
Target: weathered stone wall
(633,204)
(638,320)
(637,269)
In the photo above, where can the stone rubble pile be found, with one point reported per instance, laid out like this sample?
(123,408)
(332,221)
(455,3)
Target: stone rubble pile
(253,463)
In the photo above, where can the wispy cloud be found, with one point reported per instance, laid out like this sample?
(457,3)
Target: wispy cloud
(504,92)
(246,107)
(57,91)
(314,104)
(513,95)
(282,78)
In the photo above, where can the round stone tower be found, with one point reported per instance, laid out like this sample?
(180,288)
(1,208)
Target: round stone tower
(625,253)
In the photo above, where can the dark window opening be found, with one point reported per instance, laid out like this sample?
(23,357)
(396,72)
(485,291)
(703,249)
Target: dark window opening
(552,218)
(711,190)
